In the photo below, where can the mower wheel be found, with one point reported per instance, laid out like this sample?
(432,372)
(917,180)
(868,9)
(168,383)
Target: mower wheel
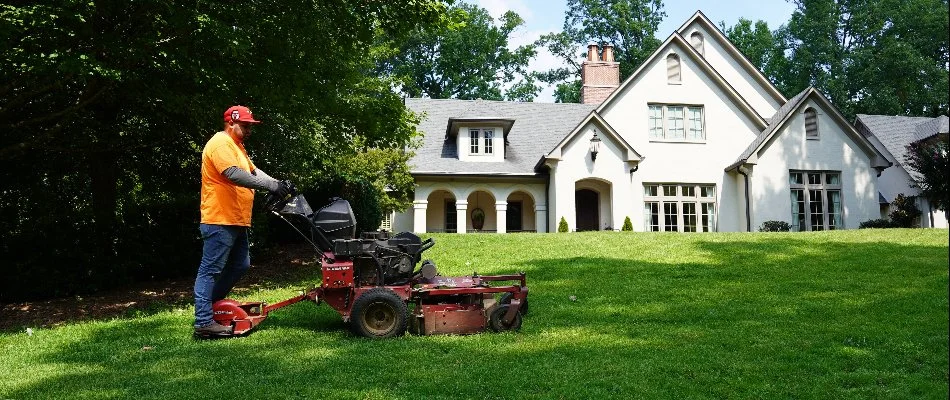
(506,299)
(496,323)
(379,313)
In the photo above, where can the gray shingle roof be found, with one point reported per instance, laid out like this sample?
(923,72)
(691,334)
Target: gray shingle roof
(538,127)
(774,123)
(930,129)
(894,132)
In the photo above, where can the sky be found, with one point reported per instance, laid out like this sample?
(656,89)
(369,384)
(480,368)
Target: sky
(545,16)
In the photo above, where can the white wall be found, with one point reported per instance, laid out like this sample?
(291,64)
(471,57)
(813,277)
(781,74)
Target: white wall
(608,176)
(728,132)
(732,71)
(835,150)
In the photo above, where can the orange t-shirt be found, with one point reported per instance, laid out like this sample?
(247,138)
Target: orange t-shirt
(223,202)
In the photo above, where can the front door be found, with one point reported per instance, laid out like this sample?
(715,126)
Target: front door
(587,206)
(513,217)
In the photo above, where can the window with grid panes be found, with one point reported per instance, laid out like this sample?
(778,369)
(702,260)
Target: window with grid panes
(481,141)
(676,123)
(679,207)
(816,200)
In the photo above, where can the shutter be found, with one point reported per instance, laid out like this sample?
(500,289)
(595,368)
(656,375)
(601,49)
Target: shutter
(696,40)
(673,68)
(811,123)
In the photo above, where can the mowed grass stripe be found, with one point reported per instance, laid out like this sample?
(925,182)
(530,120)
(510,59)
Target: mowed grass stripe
(849,314)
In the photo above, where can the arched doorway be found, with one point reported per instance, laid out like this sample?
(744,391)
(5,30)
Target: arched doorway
(587,209)
(440,214)
(520,216)
(481,215)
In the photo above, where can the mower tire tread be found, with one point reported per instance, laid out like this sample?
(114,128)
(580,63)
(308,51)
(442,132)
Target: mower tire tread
(506,299)
(379,313)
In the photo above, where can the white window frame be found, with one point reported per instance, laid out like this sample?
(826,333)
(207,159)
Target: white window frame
(814,211)
(481,142)
(387,223)
(660,200)
(690,126)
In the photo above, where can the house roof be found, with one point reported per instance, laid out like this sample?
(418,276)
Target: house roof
(782,116)
(894,132)
(629,153)
(774,124)
(676,39)
(537,128)
(701,18)
(937,126)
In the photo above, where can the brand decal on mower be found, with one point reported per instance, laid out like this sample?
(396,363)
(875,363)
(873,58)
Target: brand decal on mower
(219,312)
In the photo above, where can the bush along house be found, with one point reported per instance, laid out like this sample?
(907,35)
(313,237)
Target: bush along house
(695,140)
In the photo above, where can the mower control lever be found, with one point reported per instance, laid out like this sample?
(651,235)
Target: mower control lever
(427,244)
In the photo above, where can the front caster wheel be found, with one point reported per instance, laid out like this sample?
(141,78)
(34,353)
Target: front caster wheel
(496,323)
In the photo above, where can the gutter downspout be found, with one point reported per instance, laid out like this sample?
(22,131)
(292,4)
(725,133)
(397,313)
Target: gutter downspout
(748,212)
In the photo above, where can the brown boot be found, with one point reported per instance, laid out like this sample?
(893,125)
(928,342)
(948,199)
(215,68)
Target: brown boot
(213,329)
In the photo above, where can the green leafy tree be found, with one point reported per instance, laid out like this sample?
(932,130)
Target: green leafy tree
(759,44)
(562,225)
(905,211)
(627,225)
(930,168)
(629,25)
(109,104)
(466,58)
(879,57)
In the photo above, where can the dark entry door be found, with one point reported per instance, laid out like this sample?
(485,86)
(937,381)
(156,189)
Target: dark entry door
(513,217)
(587,203)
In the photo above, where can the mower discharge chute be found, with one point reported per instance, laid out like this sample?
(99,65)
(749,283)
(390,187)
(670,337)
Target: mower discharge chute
(374,283)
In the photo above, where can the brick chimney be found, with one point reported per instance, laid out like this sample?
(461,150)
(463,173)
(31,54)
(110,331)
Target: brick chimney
(600,75)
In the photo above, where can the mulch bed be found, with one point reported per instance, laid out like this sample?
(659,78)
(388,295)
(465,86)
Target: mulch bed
(283,266)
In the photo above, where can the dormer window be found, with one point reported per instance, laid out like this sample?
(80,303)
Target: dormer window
(481,141)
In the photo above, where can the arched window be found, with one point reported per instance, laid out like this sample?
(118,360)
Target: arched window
(811,123)
(673,68)
(696,40)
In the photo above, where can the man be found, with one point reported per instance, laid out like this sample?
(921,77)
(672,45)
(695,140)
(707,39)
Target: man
(228,178)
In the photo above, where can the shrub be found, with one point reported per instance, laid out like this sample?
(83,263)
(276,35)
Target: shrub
(562,226)
(904,212)
(876,223)
(627,226)
(775,226)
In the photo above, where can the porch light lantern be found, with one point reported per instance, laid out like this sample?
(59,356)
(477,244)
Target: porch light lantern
(594,146)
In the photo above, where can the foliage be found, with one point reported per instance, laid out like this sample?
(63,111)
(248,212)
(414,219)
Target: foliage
(929,166)
(775,226)
(870,56)
(879,223)
(465,58)
(562,226)
(761,46)
(904,211)
(629,25)
(110,104)
(848,314)
(627,225)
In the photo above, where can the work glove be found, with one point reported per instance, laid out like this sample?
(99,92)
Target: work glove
(285,190)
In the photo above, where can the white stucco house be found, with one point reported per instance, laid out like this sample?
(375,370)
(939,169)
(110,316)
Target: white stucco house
(891,135)
(695,140)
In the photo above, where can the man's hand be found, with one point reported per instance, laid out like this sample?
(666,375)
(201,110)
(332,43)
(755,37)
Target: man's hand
(285,190)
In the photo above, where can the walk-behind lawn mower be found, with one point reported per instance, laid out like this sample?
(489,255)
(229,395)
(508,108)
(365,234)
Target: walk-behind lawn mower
(373,282)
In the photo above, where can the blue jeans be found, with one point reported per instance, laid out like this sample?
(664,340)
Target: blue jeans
(224,261)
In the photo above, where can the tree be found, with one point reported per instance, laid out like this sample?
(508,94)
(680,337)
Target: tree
(904,211)
(879,57)
(930,169)
(760,45)
(466,58)
(108,104)
(627,225)
(629,25)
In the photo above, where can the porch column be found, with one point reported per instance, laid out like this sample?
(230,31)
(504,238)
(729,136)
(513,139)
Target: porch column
(501,211)
(419,208)
(541,217)
(461,216)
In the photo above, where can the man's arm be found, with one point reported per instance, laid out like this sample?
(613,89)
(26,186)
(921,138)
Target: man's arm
(259,180)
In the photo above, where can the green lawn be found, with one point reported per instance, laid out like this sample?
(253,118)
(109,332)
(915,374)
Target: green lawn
(851,314)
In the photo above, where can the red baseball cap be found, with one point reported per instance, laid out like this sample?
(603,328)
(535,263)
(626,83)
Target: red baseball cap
(241,114)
